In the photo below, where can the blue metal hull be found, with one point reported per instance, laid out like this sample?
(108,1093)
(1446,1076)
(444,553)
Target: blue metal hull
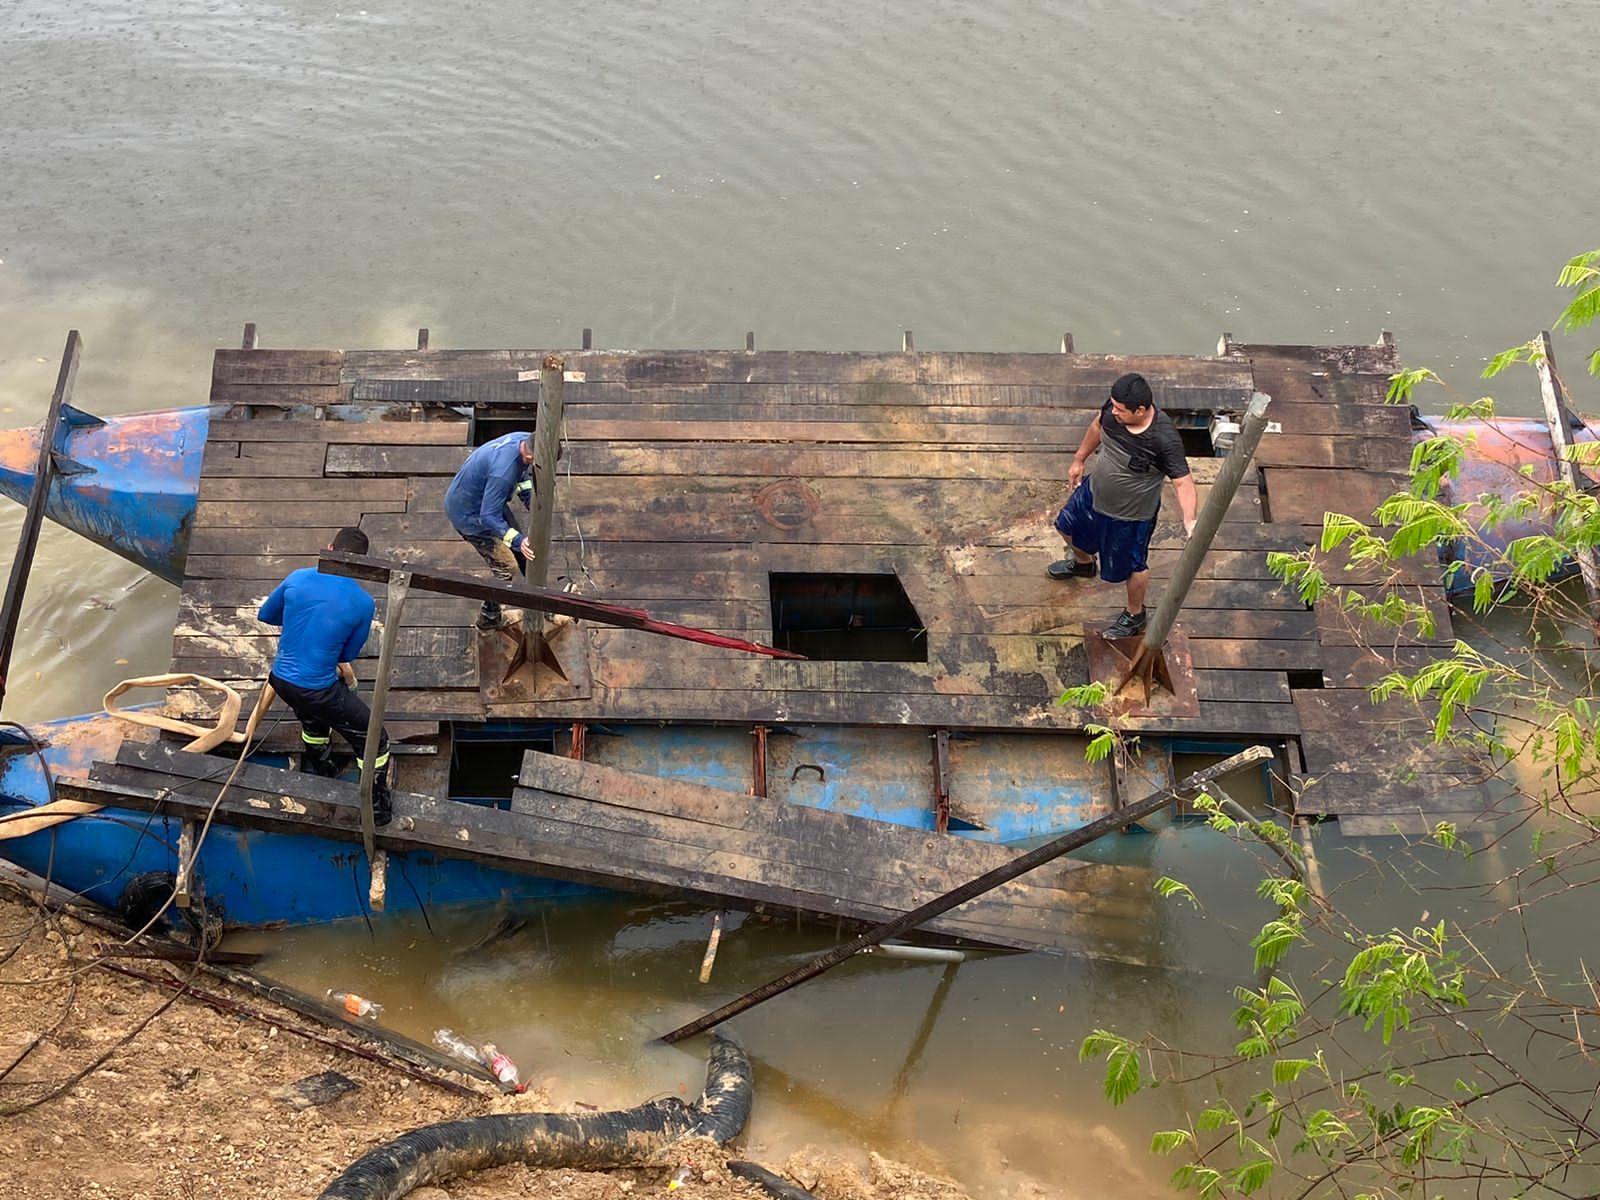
(136,494)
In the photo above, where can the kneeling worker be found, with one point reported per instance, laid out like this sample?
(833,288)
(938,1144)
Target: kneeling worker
(325,620)
(477,503)
(1112,513)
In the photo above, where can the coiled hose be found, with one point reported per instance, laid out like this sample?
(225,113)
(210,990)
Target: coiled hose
(586,1141)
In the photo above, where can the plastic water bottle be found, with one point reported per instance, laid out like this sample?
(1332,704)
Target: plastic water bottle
(356,1006)
(680,1177)
(452,1042)
(500,1066)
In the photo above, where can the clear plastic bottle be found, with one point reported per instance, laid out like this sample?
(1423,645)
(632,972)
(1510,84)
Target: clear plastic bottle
(680,1177)
(500,1065)
(356,1006)
(452,1042)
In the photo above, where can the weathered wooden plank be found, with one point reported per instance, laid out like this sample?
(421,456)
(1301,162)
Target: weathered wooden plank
(199,617)
(395,460)
(378,432)
(276,366)
(1301,495)
(1267,654)
(263,460)
(214,514)
(279,395)
(219,488)
(257,540)
(1256,687)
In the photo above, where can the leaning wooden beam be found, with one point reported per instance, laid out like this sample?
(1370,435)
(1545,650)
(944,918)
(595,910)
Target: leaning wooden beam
(1559,417)
(988,881)
(449,583)
(43,474)
(399,586)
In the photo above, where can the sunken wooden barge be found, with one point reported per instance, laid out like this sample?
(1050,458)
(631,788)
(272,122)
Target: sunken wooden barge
(889,514)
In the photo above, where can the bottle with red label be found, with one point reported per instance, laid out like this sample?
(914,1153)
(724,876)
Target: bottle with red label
(356,1006)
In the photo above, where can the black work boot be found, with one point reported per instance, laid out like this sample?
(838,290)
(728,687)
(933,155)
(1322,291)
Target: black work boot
(318,760)
(490,617)
(382,802)
(1126,625)
(1071,568)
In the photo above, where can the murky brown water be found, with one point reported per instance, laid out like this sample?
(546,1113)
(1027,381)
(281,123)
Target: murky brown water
(1145,175)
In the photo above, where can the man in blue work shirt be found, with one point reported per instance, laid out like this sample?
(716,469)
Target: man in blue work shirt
(325,620)
(477,503)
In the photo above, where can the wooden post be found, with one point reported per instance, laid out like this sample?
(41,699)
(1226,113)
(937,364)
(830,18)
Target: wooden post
(986,882)
(750,341)
(758,761)
(399,585)
(43,474)
(1066,343)
(712,942)
(1559,417)
(185,878)
(580,732)
(906,342)
(546,447)
(422,338)
(250,342)
(588,338)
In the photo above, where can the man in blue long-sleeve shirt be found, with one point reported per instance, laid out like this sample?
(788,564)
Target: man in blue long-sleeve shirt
(477,503)
(325,620)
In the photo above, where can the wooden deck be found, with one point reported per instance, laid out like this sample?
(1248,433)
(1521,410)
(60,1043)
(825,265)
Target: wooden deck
(688,478)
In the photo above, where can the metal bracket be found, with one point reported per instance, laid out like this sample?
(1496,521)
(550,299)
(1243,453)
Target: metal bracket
(1162,686)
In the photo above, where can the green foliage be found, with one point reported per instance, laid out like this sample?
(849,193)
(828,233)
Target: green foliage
(1088,696)
(1168,887)
(1123,1077)
(1102,742)
(1402,384)
(1386,978)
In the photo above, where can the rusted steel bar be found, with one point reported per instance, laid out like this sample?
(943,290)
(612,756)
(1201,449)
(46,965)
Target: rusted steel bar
(580,732)
(394,606)
(450,583)
(941,781)
(1560,419)
(1205,530)
(43,475)
(986,882)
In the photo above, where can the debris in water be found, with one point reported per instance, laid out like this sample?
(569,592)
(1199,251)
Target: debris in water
(356,1006)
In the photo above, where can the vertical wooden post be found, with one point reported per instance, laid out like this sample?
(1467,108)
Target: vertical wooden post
(541,513)
(941,781)
(251,342)
(1225,345)
(43,475)
(907,343)
(1559,417)
(422,338)
(758,761)
(588,338)
(750,341)
(1066,343)
(394,606)
(580,731)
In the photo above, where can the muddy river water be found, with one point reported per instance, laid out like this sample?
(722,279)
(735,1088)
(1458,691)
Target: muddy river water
(1143,174)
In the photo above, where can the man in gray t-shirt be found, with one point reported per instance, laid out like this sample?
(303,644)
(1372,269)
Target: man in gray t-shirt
(1113,512)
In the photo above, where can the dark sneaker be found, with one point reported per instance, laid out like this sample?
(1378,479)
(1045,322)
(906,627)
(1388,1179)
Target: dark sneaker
(1126,625)
(1071,568)
(489,622)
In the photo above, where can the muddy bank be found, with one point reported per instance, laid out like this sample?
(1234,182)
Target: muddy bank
(187,1105)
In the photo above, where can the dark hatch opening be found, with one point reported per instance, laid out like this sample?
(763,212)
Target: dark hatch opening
(485,764)
(1299,680)
(846,618)
(1194,427)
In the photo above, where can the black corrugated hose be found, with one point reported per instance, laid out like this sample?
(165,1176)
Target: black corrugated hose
(586,1141)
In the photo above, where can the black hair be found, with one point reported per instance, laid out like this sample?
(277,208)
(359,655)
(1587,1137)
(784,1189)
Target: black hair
(350,540)
(1131,391)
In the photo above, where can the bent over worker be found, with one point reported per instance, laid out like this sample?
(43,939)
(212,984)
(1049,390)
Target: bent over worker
(1112,513)
(477,503)
(325,620)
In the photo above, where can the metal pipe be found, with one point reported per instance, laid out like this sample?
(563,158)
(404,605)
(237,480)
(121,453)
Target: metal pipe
(1206,526)
(925,954)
